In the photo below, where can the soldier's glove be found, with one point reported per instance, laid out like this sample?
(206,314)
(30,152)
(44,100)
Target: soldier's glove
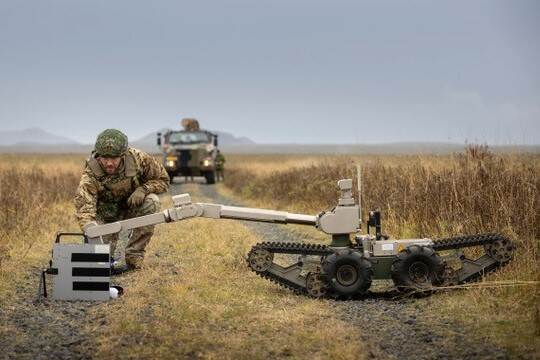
(137,198)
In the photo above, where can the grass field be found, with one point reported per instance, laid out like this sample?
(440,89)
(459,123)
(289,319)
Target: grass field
(202,301)
(196,298)
(475,191)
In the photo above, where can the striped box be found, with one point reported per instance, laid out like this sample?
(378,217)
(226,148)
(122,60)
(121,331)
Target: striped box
(83,272)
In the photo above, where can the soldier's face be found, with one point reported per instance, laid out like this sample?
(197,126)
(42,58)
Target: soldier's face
(109,164)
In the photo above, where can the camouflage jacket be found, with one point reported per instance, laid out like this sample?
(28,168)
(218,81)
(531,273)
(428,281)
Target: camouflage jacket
(103,196)
(220,161)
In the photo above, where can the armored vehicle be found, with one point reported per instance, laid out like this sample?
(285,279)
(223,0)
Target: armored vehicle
(189,152)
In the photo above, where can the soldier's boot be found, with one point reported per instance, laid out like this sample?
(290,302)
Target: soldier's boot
(112,240)
(140,237)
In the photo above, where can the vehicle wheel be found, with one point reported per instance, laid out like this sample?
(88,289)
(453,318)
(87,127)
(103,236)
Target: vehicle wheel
(260,260)
(501,250)
(348,272)
(417,268)
(210,177)
(316,285)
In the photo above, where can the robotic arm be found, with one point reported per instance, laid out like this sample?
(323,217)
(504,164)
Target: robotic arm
(343,219)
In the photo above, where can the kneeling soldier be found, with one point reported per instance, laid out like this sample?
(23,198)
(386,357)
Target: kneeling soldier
(120,182)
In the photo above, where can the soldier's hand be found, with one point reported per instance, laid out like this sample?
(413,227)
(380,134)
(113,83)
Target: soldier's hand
(137,198)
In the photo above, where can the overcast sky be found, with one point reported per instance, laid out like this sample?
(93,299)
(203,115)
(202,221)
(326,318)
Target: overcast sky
(276,71)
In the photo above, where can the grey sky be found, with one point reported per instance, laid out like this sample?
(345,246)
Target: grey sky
(275,71)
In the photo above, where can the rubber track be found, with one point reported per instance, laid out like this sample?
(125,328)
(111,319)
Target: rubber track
(466,241)
(479,275)
(323,250)
(281,281)
(293,249)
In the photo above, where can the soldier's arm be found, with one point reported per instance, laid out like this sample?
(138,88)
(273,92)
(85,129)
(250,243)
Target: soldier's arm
(86,200)
(154,176)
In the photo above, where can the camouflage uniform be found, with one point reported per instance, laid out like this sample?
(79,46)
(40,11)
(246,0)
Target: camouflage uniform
(103,198)
(220,166)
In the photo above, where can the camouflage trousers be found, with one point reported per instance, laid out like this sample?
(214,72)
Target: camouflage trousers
(220,175)
(140,237)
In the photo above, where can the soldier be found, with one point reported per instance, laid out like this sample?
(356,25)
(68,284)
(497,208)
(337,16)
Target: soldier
(220,166)
(120,182)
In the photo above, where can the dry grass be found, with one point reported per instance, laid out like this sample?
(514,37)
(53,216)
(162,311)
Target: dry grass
(470,192)
(50,163)
(433,196)
(196,297)
(35,201)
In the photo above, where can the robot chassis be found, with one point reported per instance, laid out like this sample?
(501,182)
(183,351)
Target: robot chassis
(345,268)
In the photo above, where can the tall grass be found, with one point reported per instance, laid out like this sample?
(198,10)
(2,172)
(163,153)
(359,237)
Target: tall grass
(27,199)
(476,191)
(26,195)
(470,192)
(194,299)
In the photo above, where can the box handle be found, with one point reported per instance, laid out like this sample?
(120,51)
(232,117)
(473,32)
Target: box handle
(63,234)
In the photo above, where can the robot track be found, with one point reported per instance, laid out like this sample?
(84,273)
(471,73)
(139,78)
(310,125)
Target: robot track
(261,256)
(498,252)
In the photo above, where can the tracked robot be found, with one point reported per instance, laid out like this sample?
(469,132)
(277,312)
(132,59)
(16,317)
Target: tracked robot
(348,265)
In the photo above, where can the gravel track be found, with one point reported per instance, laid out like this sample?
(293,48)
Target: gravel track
(397,327)
(45,329)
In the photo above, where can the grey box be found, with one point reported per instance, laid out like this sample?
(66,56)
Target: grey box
(84,272)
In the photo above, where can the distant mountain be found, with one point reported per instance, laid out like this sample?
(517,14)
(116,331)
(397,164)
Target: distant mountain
(32,136)
(35,140)
(313,149)
(225,139)
(22,148)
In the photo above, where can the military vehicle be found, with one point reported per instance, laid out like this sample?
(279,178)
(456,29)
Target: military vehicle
(189,152)
(347,266)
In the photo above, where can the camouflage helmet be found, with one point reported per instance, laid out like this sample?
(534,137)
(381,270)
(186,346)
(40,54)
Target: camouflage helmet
(111,143)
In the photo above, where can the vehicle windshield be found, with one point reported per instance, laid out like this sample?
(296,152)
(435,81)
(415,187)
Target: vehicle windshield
(188,137)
